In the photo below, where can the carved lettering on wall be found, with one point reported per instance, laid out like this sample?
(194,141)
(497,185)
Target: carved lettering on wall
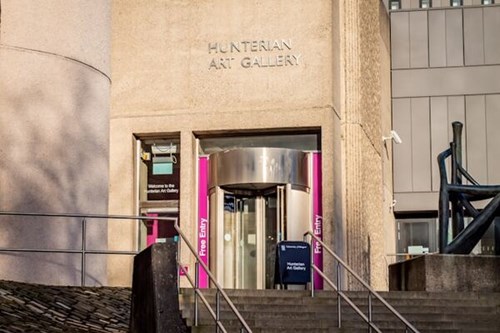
(252,54)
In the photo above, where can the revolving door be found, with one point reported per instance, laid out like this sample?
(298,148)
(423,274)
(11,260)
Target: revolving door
(258,197)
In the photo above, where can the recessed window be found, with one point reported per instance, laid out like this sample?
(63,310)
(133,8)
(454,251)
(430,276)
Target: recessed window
(395,4)
(425,3)
(416,235)
(487,2)
(456,3)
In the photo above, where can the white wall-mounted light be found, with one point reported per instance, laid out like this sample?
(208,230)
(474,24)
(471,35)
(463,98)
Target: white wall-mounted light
(394,136)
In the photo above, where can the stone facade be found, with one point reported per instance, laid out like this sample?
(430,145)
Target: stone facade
(366,115)
(163,83)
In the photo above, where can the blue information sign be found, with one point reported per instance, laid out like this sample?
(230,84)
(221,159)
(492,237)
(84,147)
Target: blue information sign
(293,263)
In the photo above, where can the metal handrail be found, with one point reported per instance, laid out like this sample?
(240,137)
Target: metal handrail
(83,250)
(198,293)
(341,294)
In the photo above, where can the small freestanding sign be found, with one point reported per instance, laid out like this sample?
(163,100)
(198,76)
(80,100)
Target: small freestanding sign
(293,263)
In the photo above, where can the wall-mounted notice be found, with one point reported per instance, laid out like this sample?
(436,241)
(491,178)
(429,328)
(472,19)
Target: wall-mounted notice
(250,54)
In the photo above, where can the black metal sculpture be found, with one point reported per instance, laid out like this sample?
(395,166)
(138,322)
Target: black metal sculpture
(460,196)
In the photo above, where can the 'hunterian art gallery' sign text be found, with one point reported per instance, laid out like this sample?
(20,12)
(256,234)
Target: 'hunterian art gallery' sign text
(252,54)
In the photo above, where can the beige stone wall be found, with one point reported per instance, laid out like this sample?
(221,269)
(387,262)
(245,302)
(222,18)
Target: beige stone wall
(163,83)
(54,95)
(365,118)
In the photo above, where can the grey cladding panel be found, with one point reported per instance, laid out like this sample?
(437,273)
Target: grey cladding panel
(454,39)
(473,36)
(402,153)
(400,37)
(414,3)
(437,38)
(469,80)
(493,137)
(439,135)
(492,35)
(419,54)
(421,145)
(476,137)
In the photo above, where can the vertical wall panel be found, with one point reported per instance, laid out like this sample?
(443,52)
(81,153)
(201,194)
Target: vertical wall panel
(491,35)
(402,153)
(406,4)
(437,3)
(437,38)
(476,137)
(473,36)
(439,135)
(421,145)
(493,137)
(456,112)
(400,36)
(454,38)
(419,53)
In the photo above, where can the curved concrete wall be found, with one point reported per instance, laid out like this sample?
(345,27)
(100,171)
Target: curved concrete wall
(54,120)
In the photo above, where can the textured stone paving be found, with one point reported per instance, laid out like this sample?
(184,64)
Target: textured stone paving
(38,308)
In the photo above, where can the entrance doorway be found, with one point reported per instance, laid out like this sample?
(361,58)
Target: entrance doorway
(252,226)
(257,198)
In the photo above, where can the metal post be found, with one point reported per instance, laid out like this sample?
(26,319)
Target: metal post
(84,241)
(177,261)
(339,300)
(196,285)
(457,215)
(217,310)
(312,267)
(369,312)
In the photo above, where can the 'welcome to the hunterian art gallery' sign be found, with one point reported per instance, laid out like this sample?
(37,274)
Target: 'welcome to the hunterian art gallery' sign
(252,54)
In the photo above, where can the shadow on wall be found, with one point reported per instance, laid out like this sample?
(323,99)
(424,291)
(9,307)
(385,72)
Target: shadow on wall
(54,158)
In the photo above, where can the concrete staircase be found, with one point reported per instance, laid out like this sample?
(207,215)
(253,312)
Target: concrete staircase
(279,311)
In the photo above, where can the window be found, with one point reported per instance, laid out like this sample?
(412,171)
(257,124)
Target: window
(395,4)
(425,3)
(416,235)
(158,186)
(487,2)
(456,3)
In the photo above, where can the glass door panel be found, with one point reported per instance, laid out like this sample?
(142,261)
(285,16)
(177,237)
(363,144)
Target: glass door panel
(247,222)
(252,225)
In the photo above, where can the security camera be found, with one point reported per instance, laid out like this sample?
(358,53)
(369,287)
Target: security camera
(394,136)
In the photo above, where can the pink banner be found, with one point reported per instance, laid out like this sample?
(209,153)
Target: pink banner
(153,228)
(203,227)
(317,219)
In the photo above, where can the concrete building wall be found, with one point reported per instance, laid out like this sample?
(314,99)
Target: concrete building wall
(368,189)
(54,94)
(164,82)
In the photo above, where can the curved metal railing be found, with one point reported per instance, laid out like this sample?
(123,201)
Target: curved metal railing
(198,292)
(343,296)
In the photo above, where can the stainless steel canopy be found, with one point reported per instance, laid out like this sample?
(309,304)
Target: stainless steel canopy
(258,168)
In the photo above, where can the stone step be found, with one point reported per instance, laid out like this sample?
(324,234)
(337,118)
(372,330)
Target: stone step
(479,320)
(211,329)
(395,297)
(297,325)
(404,306)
